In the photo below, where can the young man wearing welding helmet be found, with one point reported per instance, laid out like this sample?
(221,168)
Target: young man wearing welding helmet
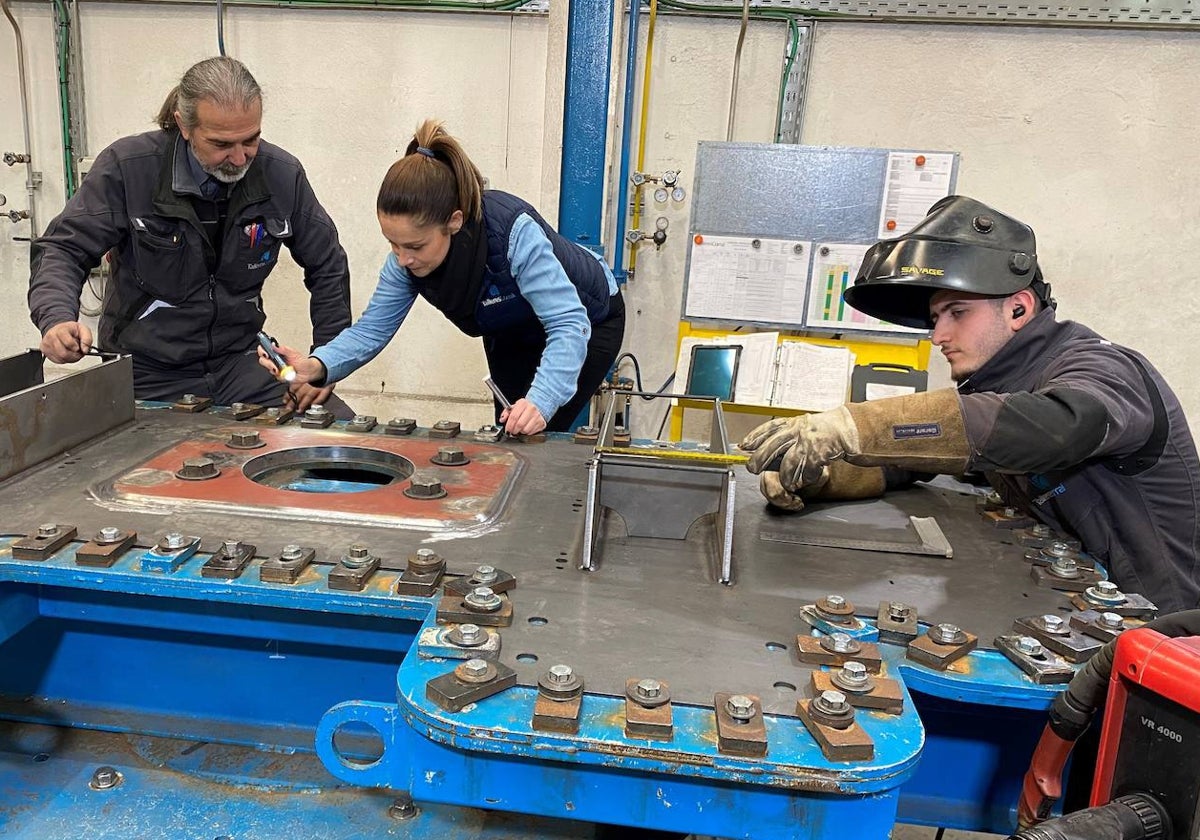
(1082,434)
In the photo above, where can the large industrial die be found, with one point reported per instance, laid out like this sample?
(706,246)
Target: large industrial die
(212,613)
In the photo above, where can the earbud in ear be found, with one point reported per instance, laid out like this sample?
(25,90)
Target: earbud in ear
(1018,311)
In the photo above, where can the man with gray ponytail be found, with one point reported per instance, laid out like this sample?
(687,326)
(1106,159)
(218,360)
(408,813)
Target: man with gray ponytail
(193,216)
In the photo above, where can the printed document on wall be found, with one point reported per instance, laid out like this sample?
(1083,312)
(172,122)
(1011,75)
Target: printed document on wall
(741,278)
(834,268)
(812,377)
(914,183)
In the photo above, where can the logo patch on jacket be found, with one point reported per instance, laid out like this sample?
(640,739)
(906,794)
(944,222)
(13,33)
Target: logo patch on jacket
(264,260)
(254,233)
(916,430)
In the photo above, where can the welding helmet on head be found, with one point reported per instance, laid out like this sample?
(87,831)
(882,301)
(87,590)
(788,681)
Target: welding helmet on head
(961,245)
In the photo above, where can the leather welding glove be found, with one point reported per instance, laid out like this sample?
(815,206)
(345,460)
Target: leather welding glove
(921,432)
(839,480)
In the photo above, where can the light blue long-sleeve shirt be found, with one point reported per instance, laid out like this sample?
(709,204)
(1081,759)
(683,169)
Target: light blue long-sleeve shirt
(541,280)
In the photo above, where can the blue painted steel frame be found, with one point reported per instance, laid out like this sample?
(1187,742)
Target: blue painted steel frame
(244,662)
(585,121)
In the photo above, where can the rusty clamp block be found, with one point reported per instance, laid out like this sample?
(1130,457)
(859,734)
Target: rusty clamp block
(1042,536)
(105,548)
(495,579)
(241,411)
(458,641)
(229,561)
(1046,555)
(190,403)
(355,568)
(648,712)
(361,423)
(170,552)
(1041,665)
(275,416)
(559,699)
(741,729)
(1056,634)
(829,717)
(1065,574)
(834,614)
(470,682)
(897,622)
(861,689)
(1008,518)
(286,566)
(317,417)
(837,649)
(43,542)
(1104,626)
(941,646)
(480,606)
(400,426)
(422,574)
(1105,596)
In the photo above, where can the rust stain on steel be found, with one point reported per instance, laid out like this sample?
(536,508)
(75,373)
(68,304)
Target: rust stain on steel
(478,483)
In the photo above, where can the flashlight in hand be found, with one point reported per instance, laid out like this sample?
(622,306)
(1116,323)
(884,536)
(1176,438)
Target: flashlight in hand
(286,372)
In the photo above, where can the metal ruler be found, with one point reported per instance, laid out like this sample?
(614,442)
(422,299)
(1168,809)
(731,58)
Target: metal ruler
(932,541)
(676,454)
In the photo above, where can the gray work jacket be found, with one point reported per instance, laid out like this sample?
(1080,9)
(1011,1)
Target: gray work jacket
(172,302)
(1087,437)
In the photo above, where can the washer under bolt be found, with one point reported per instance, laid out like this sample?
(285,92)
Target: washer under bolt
(423,486)
(485,574)
(105,778)
(470,633)
(291,552)
(357,556)
(853,676)
(649,689)
(403,808)
(482,599)
(840,643)
(1030,646)
(947,634)
(316,412)
(1105,592)
(560,673)
(740,707)
(198,469)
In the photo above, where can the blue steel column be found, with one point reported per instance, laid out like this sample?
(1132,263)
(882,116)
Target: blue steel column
(585,121)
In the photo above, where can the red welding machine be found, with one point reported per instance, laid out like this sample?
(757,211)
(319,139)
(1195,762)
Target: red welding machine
(1147,784)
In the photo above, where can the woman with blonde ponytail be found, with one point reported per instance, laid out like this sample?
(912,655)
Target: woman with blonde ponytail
(549,311)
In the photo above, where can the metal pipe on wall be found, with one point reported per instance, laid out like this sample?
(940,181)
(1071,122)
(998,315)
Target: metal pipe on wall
(30,183)
(622,202)
(737,66)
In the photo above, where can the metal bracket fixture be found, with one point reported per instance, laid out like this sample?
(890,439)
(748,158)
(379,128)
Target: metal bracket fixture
(660,493)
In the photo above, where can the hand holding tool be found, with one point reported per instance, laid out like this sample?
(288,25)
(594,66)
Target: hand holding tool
(285,372)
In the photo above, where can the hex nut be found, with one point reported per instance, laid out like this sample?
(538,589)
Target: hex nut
(482,599)
(108,534)
(1030,646)
(560,673)
(740,707)
(947,634)
(49,529)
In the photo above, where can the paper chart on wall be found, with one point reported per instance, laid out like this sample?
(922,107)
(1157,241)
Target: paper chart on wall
(740,278)
(835,266)
(812,377)
(914,182)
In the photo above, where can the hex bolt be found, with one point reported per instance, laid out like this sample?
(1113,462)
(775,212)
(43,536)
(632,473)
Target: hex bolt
(316,412)
(1060,549)
(238,406)
(470,632)
(291,551)
(1041,530)
(560,673)
(1010,512)
(450,456)
(109,534)
(443,425)
(1029,646)
(946,634)
(232,547)
(841,643)
(475,667)
(648,688)
(833,702)
(189,399)
(49,529)
(175,540)
(854,673)
(587,431)
(993,498)
(359,419)
(403,808)
(485,574)
(423,486)
(740,707)
(356,556)
(1053,623)
(898,611)
(1107,587)
(424,560)
(274,411)
(198,468)
(1111,621)
(244,440)
(835,601)
(482,599)
(1065,567)
(105,778)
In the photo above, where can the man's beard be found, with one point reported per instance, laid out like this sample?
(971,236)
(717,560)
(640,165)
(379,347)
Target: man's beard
(227,173)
